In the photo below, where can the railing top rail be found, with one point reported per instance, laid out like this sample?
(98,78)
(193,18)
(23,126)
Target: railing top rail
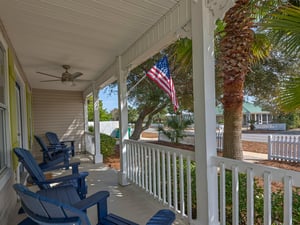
(284,135)
(164,148)
(277,173)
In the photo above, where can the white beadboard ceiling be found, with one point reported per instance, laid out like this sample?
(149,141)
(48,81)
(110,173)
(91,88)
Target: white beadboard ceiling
(88,35)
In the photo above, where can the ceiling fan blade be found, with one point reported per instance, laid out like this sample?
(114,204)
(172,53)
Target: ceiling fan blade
(49,75)
(49,80)
(77,74)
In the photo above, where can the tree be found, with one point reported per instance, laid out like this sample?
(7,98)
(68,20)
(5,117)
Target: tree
(148,99)
(234,63)
(103,114)
(240,48)
(145,97)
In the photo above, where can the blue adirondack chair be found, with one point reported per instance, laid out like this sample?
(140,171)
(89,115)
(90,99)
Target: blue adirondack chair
(55,142)
(63,206)
(38,177)
(53,155)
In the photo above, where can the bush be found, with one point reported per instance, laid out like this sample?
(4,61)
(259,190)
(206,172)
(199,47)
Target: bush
(277,202)
(107,145)
(91,129)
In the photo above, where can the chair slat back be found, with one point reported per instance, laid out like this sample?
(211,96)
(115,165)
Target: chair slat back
(53,138)
(31,166)
(43,146)
(46,211)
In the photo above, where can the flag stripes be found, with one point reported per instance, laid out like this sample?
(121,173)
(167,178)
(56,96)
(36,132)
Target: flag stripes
(160,74)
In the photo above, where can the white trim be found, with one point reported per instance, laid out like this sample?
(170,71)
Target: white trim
(98,157)
(167,29)
(7,107)
(5,176)
(204,114)
(21,83)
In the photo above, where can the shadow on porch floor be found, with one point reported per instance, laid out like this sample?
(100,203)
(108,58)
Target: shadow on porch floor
(129,201)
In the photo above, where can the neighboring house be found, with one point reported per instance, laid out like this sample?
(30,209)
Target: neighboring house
(251,112)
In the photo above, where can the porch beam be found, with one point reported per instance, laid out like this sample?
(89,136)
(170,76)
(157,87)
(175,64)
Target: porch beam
(166,30)
(173,25)
(204,113)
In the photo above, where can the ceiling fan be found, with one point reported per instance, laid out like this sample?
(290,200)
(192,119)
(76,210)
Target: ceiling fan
(65,77)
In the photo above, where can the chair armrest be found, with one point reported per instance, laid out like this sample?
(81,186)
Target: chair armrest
(58,148)
(72,147)
(48,166)
(162,217)
(69,141)
(97,198)
(80,175)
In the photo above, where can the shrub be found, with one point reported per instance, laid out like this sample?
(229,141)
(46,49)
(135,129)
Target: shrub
(91,129)
(176,124)
(277,202)
(107,145)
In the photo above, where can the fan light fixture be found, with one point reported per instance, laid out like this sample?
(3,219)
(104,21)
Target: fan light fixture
(66,78)
(69,83)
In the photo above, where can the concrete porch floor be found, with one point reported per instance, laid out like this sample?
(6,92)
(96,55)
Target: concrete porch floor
(129,202)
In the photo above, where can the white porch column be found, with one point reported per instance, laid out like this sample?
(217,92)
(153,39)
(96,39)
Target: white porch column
(86,121)
(123,121)
(98,157)
(204,110)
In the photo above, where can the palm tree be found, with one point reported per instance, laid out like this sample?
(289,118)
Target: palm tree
(234,64)
(238,47)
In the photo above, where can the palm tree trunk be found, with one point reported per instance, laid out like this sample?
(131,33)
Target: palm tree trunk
(232,132)
(235,59)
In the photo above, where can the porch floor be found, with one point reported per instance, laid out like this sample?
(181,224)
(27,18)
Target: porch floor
(130,202)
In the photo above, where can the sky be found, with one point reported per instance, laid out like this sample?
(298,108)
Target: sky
(109,100)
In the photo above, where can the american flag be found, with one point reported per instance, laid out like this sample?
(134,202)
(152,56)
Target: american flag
(160,74)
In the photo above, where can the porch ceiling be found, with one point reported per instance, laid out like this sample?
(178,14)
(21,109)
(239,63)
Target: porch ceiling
(87,35)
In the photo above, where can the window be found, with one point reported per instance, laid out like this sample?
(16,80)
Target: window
(3,146)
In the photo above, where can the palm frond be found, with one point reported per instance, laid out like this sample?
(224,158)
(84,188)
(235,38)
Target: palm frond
(289,97)
(261,47)
(284,28)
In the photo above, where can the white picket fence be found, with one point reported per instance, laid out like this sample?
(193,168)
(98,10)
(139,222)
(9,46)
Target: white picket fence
(219,139)
(284,148)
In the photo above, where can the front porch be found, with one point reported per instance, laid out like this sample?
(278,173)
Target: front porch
(130,202)
(156,172)
(104,40)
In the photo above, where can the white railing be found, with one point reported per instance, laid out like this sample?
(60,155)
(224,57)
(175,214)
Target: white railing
(163,172)
(89,142)
(168,175)
(219,139)
(284,148)
(254,173)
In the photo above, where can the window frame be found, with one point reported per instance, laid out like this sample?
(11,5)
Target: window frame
(5,171)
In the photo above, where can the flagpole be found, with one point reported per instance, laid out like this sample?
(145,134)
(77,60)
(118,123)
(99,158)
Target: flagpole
(136,84)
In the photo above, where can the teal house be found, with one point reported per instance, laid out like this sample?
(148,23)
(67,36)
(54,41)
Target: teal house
(250,112)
